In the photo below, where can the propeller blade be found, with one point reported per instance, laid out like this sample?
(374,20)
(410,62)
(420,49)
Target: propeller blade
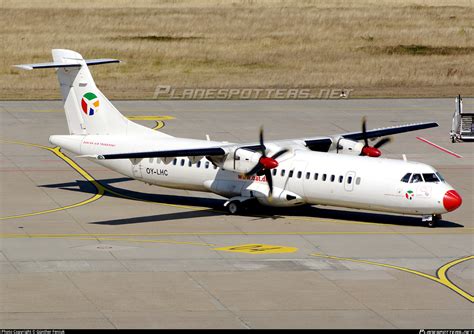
(364,130)
(279,153)
(268,176)
(262,146)
(382,142)
(254,170)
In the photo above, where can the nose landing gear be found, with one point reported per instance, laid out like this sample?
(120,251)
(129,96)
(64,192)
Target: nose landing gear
(431,220)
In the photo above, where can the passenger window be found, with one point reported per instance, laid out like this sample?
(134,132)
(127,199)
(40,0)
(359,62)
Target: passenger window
(182,162)
(308,174)
(290,173)
(341,178)
(198,165)
(416,178)
(175,161)
(190,163)
(299,174)
(282,172)
(333,178)
(349,180)
(358,180)
(430,177)
(406,178)
(274,172)
(324,177)
(316,176)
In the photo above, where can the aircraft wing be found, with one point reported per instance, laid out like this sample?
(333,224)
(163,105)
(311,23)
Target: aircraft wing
(381,132)
(207,151)
(323,143)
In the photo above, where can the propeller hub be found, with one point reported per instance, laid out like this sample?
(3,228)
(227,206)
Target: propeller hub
(268,163)
(371,151)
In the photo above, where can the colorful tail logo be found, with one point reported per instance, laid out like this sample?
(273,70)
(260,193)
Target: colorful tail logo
(89,103)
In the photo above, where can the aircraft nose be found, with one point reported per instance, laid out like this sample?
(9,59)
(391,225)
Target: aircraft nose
(452,200)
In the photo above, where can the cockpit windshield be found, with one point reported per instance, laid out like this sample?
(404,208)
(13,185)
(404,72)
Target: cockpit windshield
(406,178)
(430,177)
(441,178)
(424,177)
(416,178)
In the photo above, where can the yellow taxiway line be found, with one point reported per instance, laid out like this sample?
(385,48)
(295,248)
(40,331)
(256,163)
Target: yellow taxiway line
(57,151)
(441,274)
(158,119)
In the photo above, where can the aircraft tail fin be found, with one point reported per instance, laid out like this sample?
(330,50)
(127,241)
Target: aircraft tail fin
(88,111)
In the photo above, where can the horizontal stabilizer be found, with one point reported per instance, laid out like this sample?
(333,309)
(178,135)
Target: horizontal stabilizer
(88,156)
(193,152)
(89,62)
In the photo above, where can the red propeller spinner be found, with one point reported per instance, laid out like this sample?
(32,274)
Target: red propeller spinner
(265,164)
(268,163)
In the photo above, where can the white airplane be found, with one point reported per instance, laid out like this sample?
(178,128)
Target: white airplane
(335,171)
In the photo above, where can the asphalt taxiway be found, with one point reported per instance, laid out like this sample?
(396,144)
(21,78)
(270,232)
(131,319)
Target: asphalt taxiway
(84,247)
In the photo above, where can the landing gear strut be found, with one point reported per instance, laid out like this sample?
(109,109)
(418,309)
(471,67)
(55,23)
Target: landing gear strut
(432,220)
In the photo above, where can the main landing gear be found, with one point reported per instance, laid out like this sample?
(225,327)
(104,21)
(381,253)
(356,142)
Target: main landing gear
(237,205)
(432,220)
(234,207)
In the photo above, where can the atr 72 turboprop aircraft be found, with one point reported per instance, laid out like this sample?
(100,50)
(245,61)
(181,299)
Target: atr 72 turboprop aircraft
(336,170)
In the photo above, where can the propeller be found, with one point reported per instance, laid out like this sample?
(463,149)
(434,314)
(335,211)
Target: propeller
(265,163)
(372,151)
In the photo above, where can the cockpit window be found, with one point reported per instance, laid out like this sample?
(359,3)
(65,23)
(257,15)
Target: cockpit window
(416,178)
(430,177)
(406,178)
(441,178)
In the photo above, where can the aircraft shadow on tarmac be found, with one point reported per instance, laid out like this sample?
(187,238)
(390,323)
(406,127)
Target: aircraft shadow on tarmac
(215,208)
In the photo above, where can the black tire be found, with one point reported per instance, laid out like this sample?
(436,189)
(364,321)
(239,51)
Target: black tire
(234,207)
(433,222)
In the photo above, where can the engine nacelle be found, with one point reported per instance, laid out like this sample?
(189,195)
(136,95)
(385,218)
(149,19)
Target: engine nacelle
(347,146)
(240,160)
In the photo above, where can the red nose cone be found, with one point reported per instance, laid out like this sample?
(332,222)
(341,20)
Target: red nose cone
(452,200)
(371,151)
(268,163)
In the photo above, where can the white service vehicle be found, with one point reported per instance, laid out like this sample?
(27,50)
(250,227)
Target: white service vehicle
(336,170)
